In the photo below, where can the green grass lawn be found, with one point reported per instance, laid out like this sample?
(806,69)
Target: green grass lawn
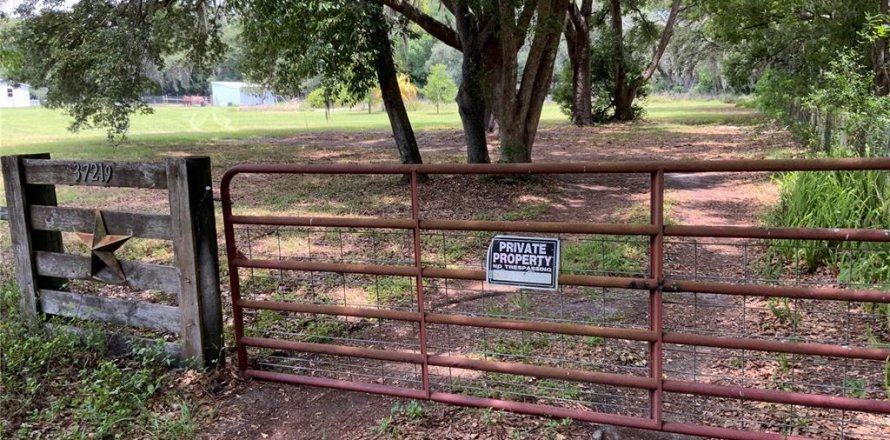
(39,129)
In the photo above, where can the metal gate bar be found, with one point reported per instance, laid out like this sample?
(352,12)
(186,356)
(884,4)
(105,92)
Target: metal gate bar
(656,309)
(655,284)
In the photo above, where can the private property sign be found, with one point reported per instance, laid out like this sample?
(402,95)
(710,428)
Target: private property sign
(529,262)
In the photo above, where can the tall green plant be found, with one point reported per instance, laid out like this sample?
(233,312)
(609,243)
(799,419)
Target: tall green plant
(837,199)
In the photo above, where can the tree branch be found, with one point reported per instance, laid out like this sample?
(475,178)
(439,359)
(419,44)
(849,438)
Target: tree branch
(436,28)
(662,45)
(575,15)
(599,18)
(576,22)
(539,62)
(640,13)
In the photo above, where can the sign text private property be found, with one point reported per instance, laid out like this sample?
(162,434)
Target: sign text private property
(528,262)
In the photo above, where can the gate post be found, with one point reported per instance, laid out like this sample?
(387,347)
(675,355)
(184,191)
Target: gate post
(194,243)
(20,196)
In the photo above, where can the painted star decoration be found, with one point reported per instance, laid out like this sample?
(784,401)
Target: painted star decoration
(102,247)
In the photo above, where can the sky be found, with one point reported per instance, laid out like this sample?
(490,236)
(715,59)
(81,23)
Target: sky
(7,6)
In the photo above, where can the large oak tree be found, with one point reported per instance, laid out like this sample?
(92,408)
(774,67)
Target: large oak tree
(490,34)
(614,51)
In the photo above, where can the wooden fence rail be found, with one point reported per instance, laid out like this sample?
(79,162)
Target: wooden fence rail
(36,224)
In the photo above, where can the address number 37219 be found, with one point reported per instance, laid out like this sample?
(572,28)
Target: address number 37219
(92,172)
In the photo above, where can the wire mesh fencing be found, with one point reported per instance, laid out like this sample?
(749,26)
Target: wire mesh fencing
(719,331)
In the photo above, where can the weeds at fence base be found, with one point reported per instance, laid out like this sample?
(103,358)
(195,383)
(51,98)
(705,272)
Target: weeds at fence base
(63,384)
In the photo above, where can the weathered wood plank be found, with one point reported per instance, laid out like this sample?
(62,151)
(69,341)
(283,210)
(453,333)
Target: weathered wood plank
(121,344)
(141,276)
(126,312)
(96,173)
(194,243)
(25,242)
(52,218)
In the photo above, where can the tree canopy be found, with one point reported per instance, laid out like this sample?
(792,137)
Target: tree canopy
(95,56)
(800,37)
(328,39)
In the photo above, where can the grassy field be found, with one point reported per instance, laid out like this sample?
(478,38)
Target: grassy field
(38,129)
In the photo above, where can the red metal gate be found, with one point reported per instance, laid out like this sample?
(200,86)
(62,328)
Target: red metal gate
(437,369)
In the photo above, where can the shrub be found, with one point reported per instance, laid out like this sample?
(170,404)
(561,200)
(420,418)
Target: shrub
(317,98)
(846,89)
(774,93)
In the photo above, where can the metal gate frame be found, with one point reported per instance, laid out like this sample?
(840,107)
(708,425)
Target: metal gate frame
(655,283)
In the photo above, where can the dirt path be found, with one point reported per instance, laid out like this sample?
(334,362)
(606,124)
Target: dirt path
(262,410)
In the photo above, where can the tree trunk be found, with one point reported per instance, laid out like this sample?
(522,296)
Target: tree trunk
(623,100)
(577,33)
(668,77)
(882,67)
(471,107)
(515,147)
(582,114)
(491,123)
(471,103)
(392,96)
(518,109)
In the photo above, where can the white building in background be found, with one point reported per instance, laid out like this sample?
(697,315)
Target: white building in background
(14,95)
(225,93)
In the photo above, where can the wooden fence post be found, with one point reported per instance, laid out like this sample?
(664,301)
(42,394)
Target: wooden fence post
(194,242)
(20,196)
